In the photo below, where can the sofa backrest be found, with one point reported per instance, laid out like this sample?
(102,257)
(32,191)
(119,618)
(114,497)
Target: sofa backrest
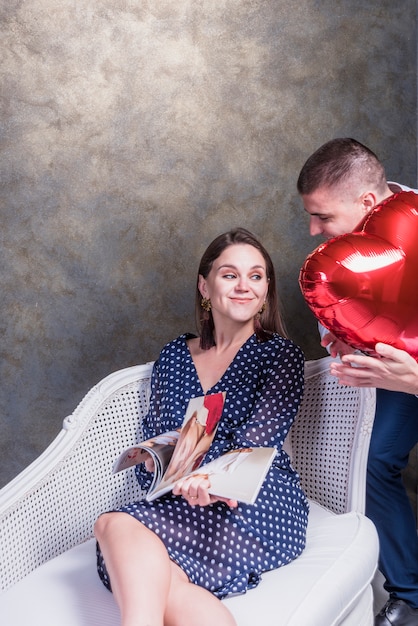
(330,438)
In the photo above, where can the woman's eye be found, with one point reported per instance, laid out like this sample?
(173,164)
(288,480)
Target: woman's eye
(229,275)
(256,277)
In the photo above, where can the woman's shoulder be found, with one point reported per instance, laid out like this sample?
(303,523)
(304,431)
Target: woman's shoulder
(279,345)
(176,345)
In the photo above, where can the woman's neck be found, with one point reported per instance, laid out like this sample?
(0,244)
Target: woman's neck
(226,341)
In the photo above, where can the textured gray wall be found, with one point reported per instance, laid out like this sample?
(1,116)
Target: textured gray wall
(133,132)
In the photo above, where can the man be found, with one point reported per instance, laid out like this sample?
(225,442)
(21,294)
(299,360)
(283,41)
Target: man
(339,184)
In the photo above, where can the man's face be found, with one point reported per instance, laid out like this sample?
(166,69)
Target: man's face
(333,211)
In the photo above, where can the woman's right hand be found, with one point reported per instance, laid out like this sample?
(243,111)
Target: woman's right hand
(149,464)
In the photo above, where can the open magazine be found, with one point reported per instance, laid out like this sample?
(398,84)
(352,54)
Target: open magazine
(237,475)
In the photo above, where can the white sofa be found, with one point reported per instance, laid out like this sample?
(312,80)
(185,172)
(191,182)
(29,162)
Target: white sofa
(47,553)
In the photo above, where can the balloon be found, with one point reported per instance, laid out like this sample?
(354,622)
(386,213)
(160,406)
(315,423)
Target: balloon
(363,286)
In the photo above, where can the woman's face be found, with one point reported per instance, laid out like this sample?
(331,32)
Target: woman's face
(237,284)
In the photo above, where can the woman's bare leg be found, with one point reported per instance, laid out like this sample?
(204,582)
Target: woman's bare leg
(139,568)
(149,588)
(191,605)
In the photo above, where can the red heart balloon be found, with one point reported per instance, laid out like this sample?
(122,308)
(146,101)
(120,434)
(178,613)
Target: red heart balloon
(362,286)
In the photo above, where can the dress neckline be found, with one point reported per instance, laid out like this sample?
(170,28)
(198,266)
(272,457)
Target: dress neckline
(187,336)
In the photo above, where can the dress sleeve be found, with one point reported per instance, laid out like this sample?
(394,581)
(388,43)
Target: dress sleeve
(277,401)
(151,424)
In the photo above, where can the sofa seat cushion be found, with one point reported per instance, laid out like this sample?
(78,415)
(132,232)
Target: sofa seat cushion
(321,583)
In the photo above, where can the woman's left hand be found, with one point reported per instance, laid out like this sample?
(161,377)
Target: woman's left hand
(195,489)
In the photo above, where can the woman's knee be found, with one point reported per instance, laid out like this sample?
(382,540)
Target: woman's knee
(108,522)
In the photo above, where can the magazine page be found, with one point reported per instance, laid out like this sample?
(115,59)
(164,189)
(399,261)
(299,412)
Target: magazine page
(196,435)
(160,447)
(239,474)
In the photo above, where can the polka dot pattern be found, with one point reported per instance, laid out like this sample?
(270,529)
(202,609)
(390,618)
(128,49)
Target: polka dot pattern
(221,549)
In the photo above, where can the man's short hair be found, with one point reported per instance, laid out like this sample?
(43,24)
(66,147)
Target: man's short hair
(339,161)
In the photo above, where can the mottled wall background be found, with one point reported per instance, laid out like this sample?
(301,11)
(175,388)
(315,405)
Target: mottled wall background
(133,132)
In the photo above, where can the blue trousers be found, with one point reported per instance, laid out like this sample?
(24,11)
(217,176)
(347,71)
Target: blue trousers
(395,433)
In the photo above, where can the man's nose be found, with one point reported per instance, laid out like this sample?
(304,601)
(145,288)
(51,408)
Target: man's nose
(315,227)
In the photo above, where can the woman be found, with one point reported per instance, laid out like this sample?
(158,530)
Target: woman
(170,561)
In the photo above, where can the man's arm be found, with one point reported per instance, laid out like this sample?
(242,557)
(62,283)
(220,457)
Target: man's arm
(395,370)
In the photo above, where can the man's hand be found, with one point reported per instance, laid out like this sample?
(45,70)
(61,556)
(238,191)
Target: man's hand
(393,369)
(335,346)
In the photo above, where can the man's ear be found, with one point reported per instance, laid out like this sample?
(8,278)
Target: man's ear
(368,201)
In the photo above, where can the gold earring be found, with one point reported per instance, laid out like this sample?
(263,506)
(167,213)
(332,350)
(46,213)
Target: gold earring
(206,304)
(263,308)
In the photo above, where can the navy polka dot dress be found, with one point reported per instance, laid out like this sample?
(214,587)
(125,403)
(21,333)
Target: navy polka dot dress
(221,549)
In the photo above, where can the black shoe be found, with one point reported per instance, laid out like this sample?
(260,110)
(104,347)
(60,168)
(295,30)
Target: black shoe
(397,613)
